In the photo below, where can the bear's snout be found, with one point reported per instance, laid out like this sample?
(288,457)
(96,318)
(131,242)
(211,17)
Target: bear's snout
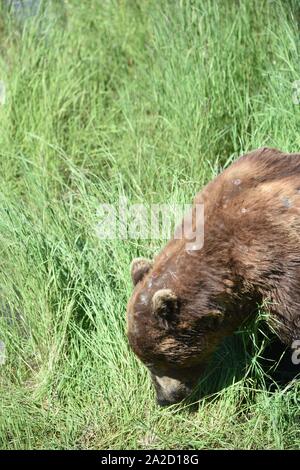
(170,391)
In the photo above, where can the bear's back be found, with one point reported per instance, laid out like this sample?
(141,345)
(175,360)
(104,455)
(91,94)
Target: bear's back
(263,184)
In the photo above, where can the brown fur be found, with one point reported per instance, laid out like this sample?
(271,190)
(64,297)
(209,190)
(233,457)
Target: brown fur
(251,254)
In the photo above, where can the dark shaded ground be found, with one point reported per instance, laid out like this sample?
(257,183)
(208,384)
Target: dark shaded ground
(238,355)
(278,354)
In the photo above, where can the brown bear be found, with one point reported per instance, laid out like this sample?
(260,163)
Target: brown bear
(186,301)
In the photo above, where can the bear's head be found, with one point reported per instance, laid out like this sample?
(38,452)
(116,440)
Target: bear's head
(173,326)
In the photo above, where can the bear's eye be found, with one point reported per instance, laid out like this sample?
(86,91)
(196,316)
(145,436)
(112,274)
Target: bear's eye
(212,320)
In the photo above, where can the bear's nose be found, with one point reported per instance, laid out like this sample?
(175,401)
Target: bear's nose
(162,400)
(165,402)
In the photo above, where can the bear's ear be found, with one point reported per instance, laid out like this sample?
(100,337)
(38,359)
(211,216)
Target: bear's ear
(139,268)
(165,306)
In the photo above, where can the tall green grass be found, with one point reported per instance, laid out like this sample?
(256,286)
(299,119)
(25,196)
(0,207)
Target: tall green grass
(149,100)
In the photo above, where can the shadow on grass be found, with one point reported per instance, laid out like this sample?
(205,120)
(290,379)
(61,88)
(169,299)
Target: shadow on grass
(262,358)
